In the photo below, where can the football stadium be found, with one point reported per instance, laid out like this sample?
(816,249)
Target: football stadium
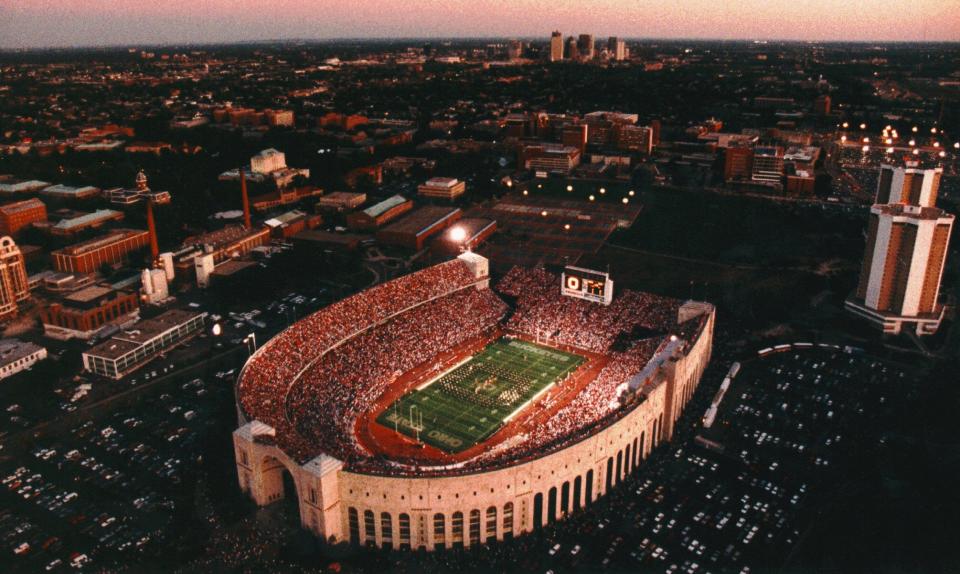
(444,408)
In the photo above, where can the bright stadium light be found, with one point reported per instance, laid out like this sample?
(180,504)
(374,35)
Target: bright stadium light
(566,226)
(626,200)
(889,150)
(866,148)
(956,145)
(863,126)
(592,198)
(914,129)
(458,234)
(916,151)
(846,125)
(217,330)
(843,138)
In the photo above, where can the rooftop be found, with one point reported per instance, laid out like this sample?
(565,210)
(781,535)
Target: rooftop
(131,339)
(422,219)
(14,349)
(385,205)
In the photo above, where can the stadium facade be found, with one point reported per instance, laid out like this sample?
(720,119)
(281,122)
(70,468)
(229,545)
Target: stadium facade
(372,498)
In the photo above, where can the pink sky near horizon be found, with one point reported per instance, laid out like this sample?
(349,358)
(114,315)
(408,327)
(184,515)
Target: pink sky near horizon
(36,23)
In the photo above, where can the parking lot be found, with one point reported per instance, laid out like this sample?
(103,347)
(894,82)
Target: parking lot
(739,496)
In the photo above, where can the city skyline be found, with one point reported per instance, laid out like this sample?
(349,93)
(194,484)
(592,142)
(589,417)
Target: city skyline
(42,24)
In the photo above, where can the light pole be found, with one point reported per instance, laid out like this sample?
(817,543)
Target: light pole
(251,342)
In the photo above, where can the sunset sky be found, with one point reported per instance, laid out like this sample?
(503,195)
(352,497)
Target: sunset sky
(41,23)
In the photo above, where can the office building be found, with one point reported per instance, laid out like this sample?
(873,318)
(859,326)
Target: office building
(83,313)
(617,48)
(19,214)
(77,223)
(113,248)
(556,47)
(768,166)
(550,158)
(737,162)
(14,285)
(907,242)
(379,214)
(573,52)
(413,230)
(128,350)
(585,46)
(442,188)
(61,191)
(16,356)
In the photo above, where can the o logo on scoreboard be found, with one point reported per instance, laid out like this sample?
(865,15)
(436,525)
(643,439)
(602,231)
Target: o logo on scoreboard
(573,283)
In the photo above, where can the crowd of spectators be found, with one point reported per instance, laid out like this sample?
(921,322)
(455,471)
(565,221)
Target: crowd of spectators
(344,383)
(267,378)
(314,380)
(543,313)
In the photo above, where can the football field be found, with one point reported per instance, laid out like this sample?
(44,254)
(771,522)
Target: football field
(469,403)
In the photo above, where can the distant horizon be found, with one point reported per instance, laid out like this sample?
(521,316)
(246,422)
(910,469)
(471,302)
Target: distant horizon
(64,24)
(400,39)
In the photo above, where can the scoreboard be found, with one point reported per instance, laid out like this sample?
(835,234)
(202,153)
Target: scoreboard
(586,284)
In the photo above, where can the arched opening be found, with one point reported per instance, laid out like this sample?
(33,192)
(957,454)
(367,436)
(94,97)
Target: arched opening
(457,535)
(491,532)
(386,530)
(589,498)
(439,531)
(552,505)
(636,455)
(609,479)
(404,530)
(619,467)
(577,491)
(538,511)
(643,438)
(354,520)
(369,527)
(474,527)
(508,520)
(278,484)
(565,498)
(627,467)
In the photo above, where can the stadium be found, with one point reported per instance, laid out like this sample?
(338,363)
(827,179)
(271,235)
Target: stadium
(437,410)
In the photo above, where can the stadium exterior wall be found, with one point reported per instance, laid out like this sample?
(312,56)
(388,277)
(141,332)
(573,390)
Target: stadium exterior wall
(340,505)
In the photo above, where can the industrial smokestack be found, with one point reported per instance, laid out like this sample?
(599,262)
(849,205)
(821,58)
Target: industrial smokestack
(152,228)
(246,199)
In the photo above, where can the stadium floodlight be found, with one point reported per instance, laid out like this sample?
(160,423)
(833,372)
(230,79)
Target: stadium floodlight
(458,234)
(216,330)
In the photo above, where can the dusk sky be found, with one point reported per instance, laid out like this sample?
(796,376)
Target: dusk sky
(42,23)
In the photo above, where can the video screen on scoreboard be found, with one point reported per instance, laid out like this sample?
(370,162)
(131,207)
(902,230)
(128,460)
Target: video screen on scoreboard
(587,284)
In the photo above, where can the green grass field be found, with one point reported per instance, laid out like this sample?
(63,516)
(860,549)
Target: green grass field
(466,405)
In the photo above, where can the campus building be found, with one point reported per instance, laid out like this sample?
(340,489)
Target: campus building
(907,241)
